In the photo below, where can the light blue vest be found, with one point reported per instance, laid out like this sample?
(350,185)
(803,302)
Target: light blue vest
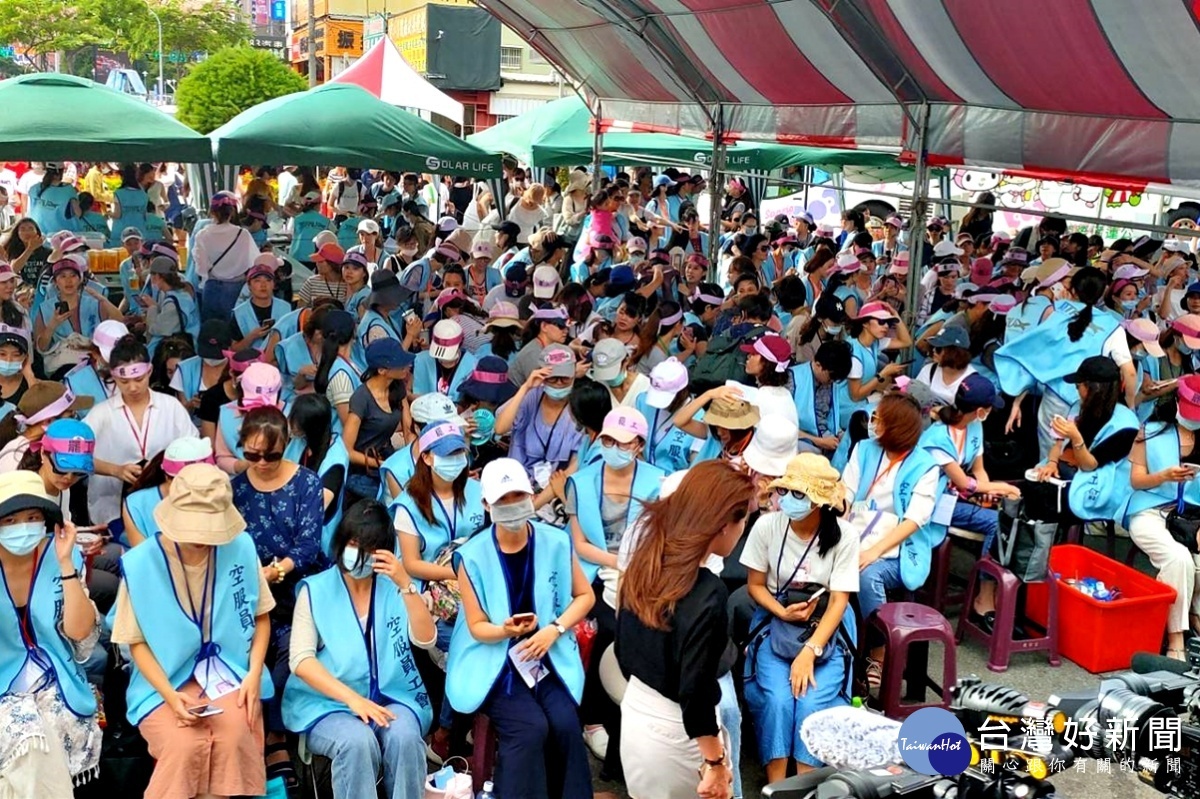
(400,465)
(1025,316)
(305,226)
(667,447)
(243,314)
(1162,452)
(1046,354)
(287,325)
(84,381)
(292,355)
(190,371)
(133,213)
(342,366)
(588,483)
(869,357)
(50,649)
(49,208)
(89,318)
(804,394)
(372,319)
(1152,367)
(229,424)
(336,455)
(473,667)
(376,664)
(172,636)
(189,316)
(425,374)
(937,437)
(357,301)
(140,506)
(434,536)
(915,551)
(1102,494)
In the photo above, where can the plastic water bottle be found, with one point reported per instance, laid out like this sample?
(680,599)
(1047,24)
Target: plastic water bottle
(488,791)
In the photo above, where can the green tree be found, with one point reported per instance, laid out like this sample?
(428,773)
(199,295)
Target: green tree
(230,81)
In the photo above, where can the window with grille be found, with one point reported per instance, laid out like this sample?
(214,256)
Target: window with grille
(510,57)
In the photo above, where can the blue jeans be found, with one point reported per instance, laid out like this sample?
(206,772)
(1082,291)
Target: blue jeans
(358,750)
(985,521)
(874,581)
(219,298)
(731,720)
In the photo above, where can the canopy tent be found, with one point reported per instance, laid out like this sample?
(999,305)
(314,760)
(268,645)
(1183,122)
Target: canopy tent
(1068,88)
(384,73)
(560,133)
(340,123)
(55,117)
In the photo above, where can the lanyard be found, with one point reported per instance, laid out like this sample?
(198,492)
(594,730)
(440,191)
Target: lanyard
(527,578)
(880,475)
(545,443)
(781,588)
(655,428)
(142,441)
(198,618)
(369,639)
(451,518)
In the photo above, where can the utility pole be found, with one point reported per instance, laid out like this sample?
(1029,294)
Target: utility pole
(312,43)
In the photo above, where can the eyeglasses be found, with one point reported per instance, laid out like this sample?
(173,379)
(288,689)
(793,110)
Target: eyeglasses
(269,457)
(609,441)
(764,249)
(559,382)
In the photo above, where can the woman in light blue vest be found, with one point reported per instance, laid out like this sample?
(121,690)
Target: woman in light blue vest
(305,225)
(397,470)
(337,377)
(53,204)
(353,689)
(379,314)
(175,311)
(890,473)
(209,367)
(316,447)
(75,311)
(869,337)
(192,609)
(815,389)
(513,653)
(129,203)
(1092,443)
(446,365)
(355,269)
(137,509)
(955,442)
(48,627)
(667,447)
(1164,478)
(256,316)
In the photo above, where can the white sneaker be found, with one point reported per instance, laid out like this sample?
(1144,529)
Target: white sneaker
(597,741)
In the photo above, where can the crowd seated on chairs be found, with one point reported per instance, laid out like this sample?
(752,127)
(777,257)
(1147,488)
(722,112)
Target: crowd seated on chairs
(496,491)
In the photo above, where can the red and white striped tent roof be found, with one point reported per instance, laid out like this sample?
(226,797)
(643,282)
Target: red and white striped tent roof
(1106,89)
(384,73)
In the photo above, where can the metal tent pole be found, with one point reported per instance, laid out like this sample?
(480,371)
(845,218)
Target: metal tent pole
(916,224)
(714,188)
(597,149)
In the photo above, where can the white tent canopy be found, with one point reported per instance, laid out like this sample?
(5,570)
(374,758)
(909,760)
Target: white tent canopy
(384,73)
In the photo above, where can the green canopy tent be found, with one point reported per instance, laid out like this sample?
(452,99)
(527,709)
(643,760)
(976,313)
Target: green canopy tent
(55,117)
(560,134)
(340,123)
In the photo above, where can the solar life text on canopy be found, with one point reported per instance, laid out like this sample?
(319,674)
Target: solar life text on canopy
(56,117)
(341,123)
(383,72)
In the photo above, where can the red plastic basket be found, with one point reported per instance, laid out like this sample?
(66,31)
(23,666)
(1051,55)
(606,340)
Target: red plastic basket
(1102,636)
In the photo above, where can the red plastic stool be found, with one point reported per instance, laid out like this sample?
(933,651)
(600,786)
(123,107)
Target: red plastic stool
(908,628)
(1000,643)
(483,751)
(937,591)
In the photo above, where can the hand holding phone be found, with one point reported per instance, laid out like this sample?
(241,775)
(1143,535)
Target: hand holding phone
(204,711)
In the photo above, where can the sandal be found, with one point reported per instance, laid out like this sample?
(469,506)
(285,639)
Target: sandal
(874,673)
(284,769)
(1180,654)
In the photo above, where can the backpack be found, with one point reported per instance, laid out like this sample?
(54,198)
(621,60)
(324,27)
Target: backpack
(723,361)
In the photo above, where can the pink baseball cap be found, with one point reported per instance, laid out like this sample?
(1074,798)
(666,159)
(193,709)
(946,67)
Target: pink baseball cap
(483,249)
(848,262)
(260,270)
(6,271)
(448,251)
(877,310)
(624,425)
(981,271)
(1002,304)
(448,296)
(894,221)
(1189,397)
(260,384)
(1129,272)
(636,244)
(1188,326)
(666,381)
(1146,332)
(72,262)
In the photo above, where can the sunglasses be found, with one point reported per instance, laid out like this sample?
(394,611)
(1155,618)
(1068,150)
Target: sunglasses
(783,492)
(54,468)
(269,457)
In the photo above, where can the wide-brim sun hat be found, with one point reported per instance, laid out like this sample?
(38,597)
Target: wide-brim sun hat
(489,381)
(198,508)
(731,414)
(772,446)
(814,476)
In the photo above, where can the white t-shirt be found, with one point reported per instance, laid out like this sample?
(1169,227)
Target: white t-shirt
(941,390)
(776,401)
(1116,346)
(837,569)
(287,183)
(920,507)
(528,219)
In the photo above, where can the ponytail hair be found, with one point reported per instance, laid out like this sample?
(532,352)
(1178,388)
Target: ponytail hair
(329,353)
(1089,285)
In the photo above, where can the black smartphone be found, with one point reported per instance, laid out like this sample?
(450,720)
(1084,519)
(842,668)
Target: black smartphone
(268,323)
(61,307)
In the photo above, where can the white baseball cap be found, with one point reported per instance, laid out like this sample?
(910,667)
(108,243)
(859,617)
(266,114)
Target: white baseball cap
(946,247)
(773,445)
(667,379)
(435,407)
(503,476)
(446,340)
(545,282)
(106,335)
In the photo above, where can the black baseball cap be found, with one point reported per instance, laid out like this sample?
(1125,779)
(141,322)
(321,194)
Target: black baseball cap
(216,336)
(831,307)
(511,228)
(1096,369)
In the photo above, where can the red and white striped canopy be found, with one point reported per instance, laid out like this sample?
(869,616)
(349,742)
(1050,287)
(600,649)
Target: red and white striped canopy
(1106,89)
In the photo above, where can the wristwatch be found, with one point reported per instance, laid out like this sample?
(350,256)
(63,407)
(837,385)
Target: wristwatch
(556,625)
(411,588)
(817,649)
(709,765)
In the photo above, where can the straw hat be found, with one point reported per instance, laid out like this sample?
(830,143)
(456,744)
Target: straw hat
(813,475)
(199,508)
(732,414)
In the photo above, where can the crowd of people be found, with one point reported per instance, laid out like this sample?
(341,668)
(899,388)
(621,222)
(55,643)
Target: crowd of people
(533,457)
